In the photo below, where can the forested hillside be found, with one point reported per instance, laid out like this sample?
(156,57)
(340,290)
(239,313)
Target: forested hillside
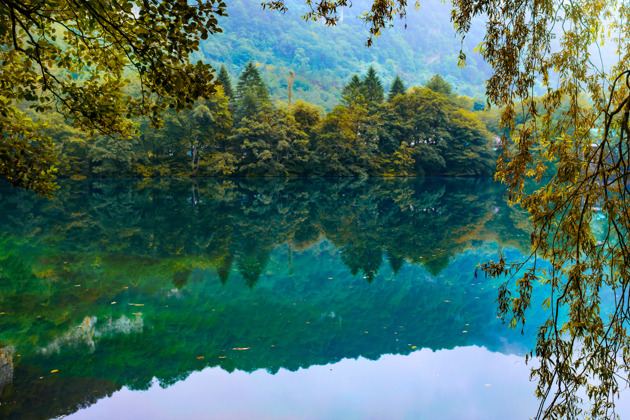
(324,58)
(239,131)
(301,99)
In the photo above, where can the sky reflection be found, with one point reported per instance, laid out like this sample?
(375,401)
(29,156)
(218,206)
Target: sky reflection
(462,383)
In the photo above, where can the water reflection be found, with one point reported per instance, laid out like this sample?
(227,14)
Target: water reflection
(466,383)
(115,283)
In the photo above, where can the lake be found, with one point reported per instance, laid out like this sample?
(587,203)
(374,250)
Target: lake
(239,299)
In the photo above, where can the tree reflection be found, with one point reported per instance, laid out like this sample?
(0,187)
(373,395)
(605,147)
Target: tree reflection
(225,223)
(297,271)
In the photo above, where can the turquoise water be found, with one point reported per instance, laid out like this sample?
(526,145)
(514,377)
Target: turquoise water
(259,299)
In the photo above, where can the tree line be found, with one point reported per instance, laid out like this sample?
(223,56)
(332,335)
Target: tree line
(423,130)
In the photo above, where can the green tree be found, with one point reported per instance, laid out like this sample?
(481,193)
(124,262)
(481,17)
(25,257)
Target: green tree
(437,84)
(111,156)
(212,127)
(74,58)
(224,78)
(344,143)
(468,151)
(425,115)
(374,92)
(306,115)
(354,93)
(251,94)
(397,88)
(272,144)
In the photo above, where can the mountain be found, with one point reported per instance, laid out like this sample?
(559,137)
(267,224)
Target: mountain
(324,58)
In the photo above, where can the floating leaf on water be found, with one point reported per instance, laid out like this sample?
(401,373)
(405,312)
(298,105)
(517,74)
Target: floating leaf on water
(200,357)
(113,303)
(136,304)
(222,357)
(54,371)
(241,348)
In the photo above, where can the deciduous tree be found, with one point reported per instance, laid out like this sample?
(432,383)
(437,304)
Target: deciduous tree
(74,57)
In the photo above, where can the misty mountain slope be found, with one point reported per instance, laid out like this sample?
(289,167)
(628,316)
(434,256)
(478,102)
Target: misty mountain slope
(324,58)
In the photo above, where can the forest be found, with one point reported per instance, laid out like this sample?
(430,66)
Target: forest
(239,131)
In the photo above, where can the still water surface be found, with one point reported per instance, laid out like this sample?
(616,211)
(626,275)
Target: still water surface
(248,299)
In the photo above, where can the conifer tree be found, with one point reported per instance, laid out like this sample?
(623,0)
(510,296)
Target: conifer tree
(397,88)
(373,87)
(354,93)
(251,94)
(224,79)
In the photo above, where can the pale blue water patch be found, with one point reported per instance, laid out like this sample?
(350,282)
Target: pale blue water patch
(461,383)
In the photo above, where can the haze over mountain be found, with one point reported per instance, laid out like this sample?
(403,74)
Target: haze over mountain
(324,58)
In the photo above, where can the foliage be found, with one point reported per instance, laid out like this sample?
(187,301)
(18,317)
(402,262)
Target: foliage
(362,139)
(251,94)
(397,88)
(27,156)
(354,93)
(306,115)
(272,144)
(224,78)
(556,47)
(374,91)
(73,58)
(437,84)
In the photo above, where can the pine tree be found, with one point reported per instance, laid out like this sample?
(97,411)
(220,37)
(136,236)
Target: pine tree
(354,93)
(397,88)
(373,87)
(224,79)
(251,94)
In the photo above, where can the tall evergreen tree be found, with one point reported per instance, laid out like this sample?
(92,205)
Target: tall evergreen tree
(397,88)
(354,93)
(373,87)
(251,94)
(224,79)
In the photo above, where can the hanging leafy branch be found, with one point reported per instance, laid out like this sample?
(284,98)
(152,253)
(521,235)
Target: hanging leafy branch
(72,56)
